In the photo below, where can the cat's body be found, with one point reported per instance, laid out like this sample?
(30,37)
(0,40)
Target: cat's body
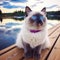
(33,35)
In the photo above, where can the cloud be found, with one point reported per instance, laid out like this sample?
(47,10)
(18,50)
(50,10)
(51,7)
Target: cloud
(52,6)
(1,1)
(34,4)
(12,6)
(9,6)
(22,1)
(37,2)
(4,4)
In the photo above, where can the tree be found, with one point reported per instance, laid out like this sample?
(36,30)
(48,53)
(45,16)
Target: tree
(0,15)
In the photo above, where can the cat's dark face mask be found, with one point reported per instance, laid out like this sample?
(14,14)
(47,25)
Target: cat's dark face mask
(38,18)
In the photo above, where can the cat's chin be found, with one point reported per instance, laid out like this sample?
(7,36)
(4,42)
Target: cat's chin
(35,28)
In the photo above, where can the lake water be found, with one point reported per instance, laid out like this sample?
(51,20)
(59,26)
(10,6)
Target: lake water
(9,29)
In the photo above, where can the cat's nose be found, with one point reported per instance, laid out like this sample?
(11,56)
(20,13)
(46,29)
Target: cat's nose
(39,22)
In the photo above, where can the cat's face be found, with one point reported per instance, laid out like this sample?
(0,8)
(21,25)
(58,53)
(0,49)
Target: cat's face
(35,20)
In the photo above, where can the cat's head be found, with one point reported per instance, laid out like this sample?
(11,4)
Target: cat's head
(35,20)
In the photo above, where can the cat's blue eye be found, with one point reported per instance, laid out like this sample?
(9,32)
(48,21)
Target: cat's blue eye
(34,17)
(41,18)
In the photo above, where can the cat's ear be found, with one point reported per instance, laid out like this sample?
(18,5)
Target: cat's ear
(44,10)
(27,10)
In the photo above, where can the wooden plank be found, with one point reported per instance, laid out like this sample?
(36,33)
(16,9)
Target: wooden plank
(8,48)
(53,37)
(53,29)
(55,54)
(57,46)
(15,51)
(14,54)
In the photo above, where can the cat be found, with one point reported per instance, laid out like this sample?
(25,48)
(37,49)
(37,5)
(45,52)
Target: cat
(33,36)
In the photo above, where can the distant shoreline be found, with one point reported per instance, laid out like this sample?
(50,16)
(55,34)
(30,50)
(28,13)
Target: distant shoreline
(53,15)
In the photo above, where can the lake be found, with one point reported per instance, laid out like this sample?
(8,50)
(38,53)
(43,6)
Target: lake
(9,29)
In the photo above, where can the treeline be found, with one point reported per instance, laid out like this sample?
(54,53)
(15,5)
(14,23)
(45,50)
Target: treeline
(53,15)
(19,13)
(12,15)
(16,13)
(50,15)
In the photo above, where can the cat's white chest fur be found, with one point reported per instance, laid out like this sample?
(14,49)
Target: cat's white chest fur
(34,39)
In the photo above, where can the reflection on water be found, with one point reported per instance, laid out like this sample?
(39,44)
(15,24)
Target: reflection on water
(9,29)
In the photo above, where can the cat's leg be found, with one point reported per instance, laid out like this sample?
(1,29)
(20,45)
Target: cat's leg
(37,52)
(28,52)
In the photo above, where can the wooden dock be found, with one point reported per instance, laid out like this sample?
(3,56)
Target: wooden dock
(13,53)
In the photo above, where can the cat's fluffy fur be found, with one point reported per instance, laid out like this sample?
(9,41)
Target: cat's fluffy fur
(33,39)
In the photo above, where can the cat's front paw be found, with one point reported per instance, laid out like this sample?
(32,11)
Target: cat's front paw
(36,56)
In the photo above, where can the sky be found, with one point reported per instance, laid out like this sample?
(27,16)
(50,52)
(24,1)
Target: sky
(14,5)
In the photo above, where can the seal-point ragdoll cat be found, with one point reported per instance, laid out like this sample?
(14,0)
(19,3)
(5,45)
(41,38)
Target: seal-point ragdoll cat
(33,36)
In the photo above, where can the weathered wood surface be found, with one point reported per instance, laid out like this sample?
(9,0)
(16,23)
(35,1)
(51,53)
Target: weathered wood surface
(13,53)
(55,54)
